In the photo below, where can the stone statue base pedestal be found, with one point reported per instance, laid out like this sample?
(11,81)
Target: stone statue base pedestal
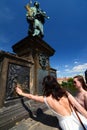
(39,52)
(28,66)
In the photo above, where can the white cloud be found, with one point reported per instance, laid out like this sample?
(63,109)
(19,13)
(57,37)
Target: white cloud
(67,70)
(66,66)
(70,72)
(79,68)
(58,71)
(75,62)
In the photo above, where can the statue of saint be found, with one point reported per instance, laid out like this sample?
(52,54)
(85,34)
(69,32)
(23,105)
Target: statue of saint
(36,19)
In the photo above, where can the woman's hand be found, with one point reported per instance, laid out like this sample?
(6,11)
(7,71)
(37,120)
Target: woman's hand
(19,91)
(29,96)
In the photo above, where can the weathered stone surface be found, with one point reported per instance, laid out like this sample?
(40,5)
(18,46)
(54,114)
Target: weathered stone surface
(31,53)
(21,110)
(35,43)
(44,121)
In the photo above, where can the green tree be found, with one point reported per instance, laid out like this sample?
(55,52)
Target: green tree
(68,85)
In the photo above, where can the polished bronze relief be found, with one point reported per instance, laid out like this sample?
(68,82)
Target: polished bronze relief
(16,74)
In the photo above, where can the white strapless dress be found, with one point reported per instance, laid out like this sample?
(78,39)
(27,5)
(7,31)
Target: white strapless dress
(69,122)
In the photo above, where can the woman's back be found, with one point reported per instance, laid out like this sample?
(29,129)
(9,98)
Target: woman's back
(63,110)
(58,105)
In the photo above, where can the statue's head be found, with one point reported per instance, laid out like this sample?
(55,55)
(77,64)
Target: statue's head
(36,4)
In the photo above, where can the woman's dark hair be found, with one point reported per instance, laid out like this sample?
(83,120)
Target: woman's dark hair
(52,87)
(81,80)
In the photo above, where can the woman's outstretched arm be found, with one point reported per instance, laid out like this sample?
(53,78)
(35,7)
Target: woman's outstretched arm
(30,96)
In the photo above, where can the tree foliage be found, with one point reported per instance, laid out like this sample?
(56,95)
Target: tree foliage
(68,85)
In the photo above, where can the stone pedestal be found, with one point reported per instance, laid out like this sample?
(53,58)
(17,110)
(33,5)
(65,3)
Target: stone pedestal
(13,69)
(39,52)
(28,66)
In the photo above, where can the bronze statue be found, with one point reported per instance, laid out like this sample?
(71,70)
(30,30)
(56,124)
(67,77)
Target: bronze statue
(36,19)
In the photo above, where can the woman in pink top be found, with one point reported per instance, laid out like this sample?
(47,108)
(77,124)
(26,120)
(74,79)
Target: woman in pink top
(81,94)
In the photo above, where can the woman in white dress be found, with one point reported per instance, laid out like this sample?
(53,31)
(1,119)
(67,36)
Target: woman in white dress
(61,103)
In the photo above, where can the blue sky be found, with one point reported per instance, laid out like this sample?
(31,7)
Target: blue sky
(65,31)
